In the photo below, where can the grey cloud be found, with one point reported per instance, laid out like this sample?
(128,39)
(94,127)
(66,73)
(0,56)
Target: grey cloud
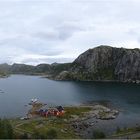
(65,28)
(47,35)
(61,32)
(34,61)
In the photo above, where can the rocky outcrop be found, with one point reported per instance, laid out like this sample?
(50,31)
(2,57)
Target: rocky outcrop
(105,63)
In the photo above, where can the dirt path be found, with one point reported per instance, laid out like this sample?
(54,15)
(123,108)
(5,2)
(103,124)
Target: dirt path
(21,131)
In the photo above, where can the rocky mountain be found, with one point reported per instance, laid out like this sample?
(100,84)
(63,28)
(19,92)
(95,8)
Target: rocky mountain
(21,69)
(41,69)
(105,63)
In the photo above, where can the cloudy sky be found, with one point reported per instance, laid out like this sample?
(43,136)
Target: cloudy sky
(47,31)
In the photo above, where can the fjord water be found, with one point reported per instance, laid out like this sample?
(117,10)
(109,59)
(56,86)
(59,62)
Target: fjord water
(16,92)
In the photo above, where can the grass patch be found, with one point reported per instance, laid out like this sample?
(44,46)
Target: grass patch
(98,134)
(79,111)
(63,130)
(43,126)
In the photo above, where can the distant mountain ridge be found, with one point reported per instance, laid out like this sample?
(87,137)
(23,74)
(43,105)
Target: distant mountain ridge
(103,63)
(41,69)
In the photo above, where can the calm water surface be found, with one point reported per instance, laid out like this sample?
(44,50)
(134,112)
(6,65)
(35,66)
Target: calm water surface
(17,90)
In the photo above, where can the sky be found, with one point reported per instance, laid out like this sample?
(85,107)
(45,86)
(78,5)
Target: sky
(48,31)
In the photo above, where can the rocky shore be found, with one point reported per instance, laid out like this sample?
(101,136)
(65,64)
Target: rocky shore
(98,112)
(83,125)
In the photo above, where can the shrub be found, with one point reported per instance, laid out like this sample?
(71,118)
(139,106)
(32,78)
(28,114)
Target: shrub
(6,130)
(118,130)
(24,136)
(98,134)
(51,134)
(37,135)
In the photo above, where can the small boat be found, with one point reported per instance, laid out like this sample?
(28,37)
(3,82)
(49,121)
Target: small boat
(34,100)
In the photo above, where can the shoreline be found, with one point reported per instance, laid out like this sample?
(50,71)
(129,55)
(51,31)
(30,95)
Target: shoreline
(82,120)
(98,81)
(50,77)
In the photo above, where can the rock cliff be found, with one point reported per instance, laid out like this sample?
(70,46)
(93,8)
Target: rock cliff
(105,63)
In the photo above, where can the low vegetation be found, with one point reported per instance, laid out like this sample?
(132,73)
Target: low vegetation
(98,134)
(48,128)
(3,74)
(127,133)
(6,130)
(75,111)
(125,130)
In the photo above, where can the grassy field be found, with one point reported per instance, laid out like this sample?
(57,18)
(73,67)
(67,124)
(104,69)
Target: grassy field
(42,126)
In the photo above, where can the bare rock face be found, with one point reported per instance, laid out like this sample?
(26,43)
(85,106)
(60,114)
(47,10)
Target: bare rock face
(94,59)
(63,75)
(128,66)
(107,63)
